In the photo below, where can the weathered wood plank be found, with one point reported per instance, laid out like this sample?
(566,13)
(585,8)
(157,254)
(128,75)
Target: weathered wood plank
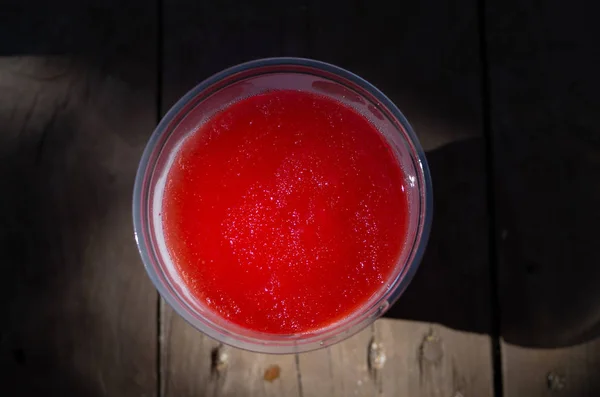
(77,103)
(432,360)
(340,370)
(539,372)
(201,38)
(544,110)
(196,365)
(425,57)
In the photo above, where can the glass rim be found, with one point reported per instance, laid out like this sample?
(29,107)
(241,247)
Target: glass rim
(384,298)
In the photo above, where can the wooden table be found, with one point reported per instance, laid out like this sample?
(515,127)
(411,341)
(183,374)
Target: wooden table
(503,95)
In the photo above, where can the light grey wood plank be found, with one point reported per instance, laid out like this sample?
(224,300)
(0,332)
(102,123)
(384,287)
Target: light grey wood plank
(339,370)
(196,365)
(432,360)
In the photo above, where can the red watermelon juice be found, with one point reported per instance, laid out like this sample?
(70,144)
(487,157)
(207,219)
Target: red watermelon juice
(285,212)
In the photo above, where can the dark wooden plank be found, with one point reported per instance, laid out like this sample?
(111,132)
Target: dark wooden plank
(549,372)
(434,76)
(425,57)
(201,38)
(77,103)
(544,110)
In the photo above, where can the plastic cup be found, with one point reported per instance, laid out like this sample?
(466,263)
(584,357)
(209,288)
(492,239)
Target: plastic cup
(216,93)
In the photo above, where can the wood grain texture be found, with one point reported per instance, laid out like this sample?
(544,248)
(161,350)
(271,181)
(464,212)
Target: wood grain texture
(432,360)
(202,38)
(544,86)
(538,372)
(339,370)
(77,103)
(196,365)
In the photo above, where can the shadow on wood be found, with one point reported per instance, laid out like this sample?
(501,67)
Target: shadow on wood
(451,286)
(44,323)
(544,114)
(550,302)
(77,103)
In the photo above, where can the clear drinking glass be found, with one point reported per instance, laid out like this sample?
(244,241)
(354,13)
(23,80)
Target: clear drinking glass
(240,82)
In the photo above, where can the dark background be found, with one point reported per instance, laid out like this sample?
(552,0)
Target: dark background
(502,93)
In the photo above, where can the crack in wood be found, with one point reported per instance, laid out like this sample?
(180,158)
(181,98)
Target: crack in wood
(299,375)
(30,112)
(43,137)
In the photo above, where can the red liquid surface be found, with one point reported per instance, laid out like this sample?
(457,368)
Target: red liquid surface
(285,212)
